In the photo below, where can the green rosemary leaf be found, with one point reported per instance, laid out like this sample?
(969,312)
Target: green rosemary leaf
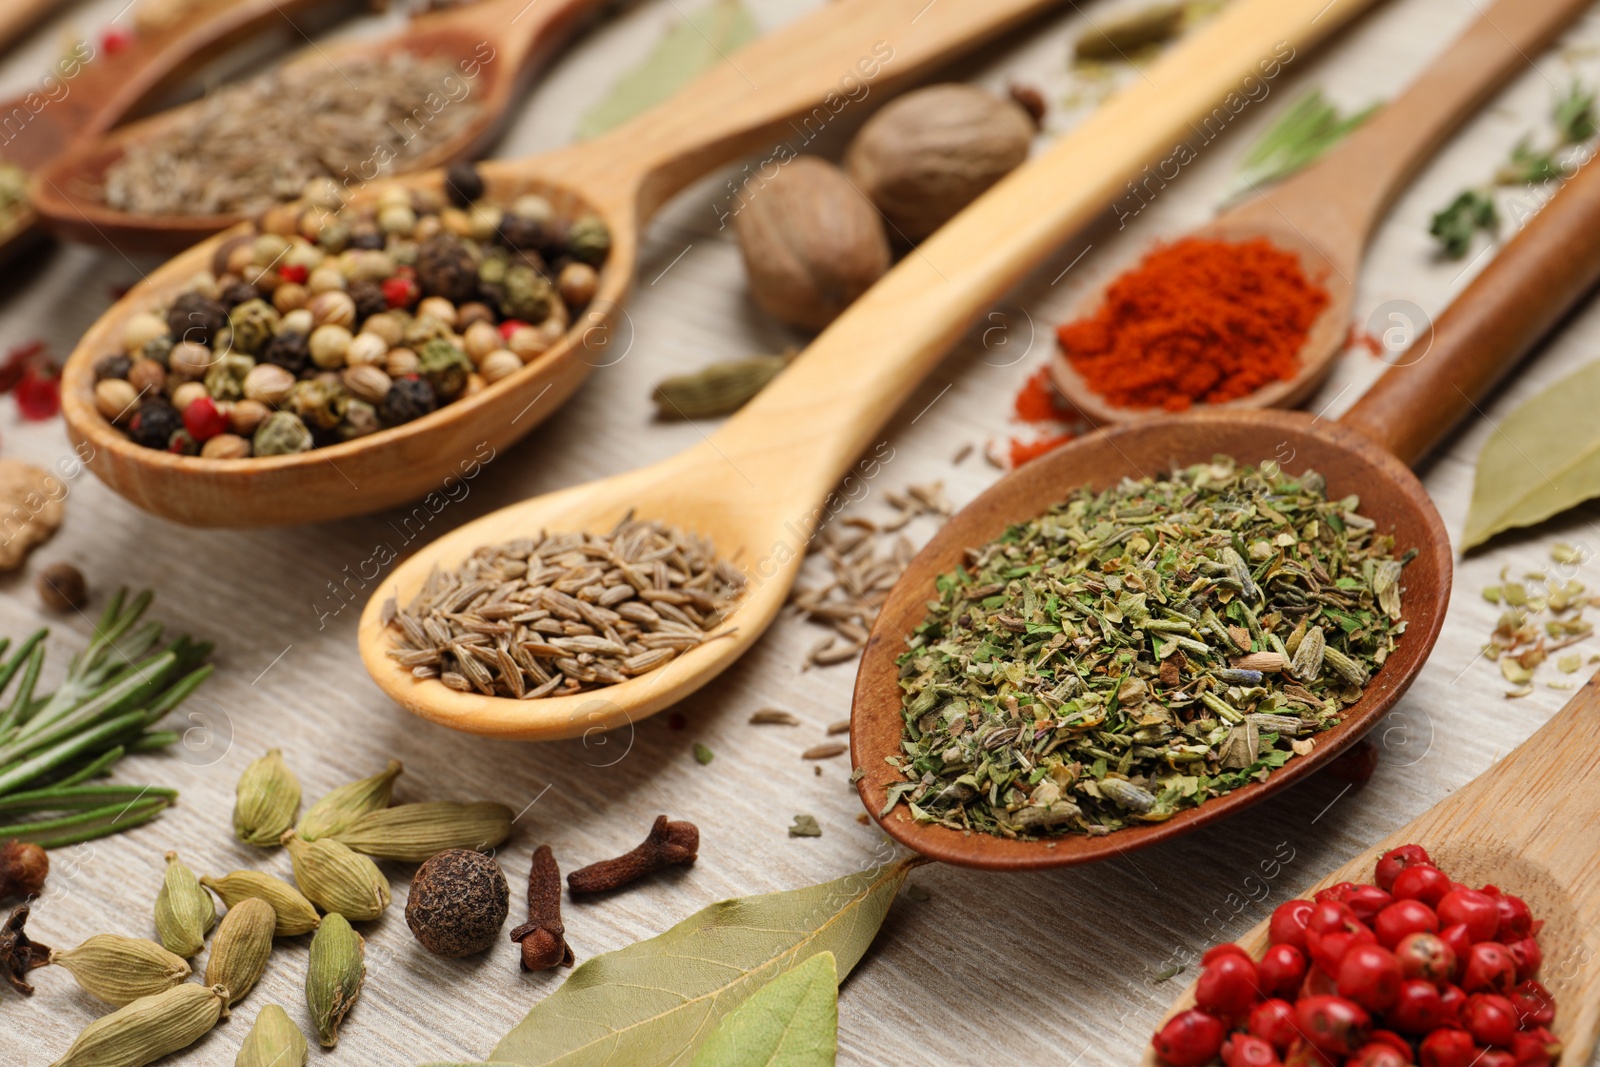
(1307,129)
(1574,115)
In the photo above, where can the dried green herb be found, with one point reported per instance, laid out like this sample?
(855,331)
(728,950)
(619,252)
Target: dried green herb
(1300,136)
(805,826)
(1133,32)
(1456,225)
(1135,652)
(702,754)
(1543,459)
(1543,615)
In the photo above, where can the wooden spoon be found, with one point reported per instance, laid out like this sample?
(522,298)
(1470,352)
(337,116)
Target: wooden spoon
(1526,825)
(756,487)
(1536,278)
(90,91)
(848,54)
(521,37)
(19,17)
(1327,212)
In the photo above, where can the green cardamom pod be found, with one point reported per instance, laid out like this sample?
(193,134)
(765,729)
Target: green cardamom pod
(348,803)
(120,970)
(241,948)
(268,801)
(334,976)
(185,912)
(273,1041)
(718,389)
(295,913)
(149,1028)
(336,879)
(413,833)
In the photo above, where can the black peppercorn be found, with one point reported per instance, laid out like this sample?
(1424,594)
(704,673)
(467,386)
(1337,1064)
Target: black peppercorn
(62,587)
(112,367)
(463,184)
(196,317)
(368,240)
(369,299)
(236,293)
(459,900)
(408,398)
(446,268)
(289,350)
(522,233)
(154,423)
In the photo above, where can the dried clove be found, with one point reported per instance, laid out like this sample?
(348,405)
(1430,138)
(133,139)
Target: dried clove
(18,955)
(669,843)
(23,869)
(543,937)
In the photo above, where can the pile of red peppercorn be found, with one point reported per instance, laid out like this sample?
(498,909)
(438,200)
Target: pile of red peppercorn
(1417,969)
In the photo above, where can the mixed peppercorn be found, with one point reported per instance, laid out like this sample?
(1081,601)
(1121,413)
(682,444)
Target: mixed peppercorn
(332,322)
(1415,969)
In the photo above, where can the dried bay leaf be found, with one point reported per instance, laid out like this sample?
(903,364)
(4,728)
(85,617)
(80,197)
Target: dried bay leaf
(656,1001)
(1543,459)
(692,46)
(792,1022)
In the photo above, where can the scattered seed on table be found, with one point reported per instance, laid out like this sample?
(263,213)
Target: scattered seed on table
(827,751)
(774,717)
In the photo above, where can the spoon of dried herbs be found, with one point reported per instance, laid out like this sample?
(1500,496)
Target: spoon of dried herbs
(1142,758)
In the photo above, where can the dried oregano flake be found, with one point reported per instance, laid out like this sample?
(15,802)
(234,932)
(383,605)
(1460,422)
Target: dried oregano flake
(1135,652)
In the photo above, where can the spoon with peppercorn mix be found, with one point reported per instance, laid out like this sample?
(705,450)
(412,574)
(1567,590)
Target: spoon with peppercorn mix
(1323,216)
(496,45)
(756,487)
(94,85)
(1523,826)
(847,54)
(1536,278)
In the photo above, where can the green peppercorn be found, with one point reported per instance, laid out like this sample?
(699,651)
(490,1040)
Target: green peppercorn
(445,367)
(280,435)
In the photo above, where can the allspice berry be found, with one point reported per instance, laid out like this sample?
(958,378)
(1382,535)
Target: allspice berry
(931,152)
(62,587)
(459,901)
(811,243)
(23,869)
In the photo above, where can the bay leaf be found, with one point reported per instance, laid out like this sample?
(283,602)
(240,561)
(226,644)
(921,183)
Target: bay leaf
(654,1002)
(691,47)
(793,1021)
(1542,459)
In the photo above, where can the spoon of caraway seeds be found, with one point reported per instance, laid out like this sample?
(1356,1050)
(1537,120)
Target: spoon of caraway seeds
(1303,463)
(755,489)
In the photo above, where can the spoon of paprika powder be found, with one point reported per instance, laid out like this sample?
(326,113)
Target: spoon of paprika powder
(1535,280)
(1250,310)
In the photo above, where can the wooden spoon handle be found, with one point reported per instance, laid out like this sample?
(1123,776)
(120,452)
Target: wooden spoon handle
(17,17)
(825,409)
(824,69)
(1350,189)
(1529,286)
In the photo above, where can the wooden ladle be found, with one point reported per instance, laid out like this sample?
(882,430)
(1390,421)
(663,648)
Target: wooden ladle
(1327,212)
(520,38)
(95,89)
(1526,825)
(756,487)
(1536,278)
(848,54)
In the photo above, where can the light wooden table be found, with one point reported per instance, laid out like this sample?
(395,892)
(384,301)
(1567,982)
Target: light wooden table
(1042,968)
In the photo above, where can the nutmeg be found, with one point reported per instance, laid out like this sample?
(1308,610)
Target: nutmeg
(932,152)
(811,243)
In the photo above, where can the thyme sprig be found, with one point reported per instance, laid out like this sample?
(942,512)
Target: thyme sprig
(1135,652)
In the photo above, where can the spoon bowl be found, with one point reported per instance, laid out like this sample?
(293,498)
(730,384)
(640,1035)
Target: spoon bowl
(757,486)
(1534,281)
(624,177)
(1353,465)
(505,42)
(1327,212)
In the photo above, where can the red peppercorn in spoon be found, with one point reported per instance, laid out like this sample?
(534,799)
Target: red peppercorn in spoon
(1250,310)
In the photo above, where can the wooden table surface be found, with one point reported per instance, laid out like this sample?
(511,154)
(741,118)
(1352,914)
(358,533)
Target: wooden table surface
(1059,967)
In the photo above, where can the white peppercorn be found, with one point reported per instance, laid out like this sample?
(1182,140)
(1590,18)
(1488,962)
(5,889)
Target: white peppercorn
(147,376)
(499,364)
(246,416)
(225,446)
(188,393)
(115,398)
(401,362)
(297,321)
(140,330)
(387,325)
(268,383)
(437,307)
(325,279)
(333,308)
(577,283)
(329,344)
(527,342)
(366,347)
(189,360)
(289,296)
(368,382)
(480,339)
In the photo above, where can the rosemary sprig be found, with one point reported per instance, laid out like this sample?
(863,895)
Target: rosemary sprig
(119,687)
(1305,131)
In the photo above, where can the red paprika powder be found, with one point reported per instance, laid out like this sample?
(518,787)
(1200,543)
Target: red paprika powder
(1197,321)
